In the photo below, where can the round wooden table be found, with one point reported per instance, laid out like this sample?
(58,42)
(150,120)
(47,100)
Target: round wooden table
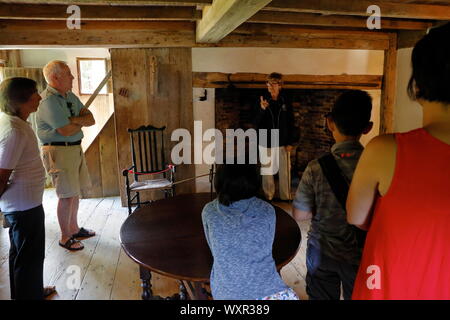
(167,237)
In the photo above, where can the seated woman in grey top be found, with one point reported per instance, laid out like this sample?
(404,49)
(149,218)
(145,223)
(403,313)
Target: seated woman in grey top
(240,230)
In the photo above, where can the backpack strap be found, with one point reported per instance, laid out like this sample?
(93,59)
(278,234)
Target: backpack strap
(338,183)
(340,186)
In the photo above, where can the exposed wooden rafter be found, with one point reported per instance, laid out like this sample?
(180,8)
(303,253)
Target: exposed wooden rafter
(118,2)
(224,16)
(290,81)
(359,8)
(263,35)
(313,19)
(101,34)
(120,34)
(93,12)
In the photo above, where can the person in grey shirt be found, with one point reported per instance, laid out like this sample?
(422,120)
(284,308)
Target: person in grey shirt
(240,230)
(333,253)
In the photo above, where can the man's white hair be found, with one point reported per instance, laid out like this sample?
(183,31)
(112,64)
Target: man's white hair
(54,67)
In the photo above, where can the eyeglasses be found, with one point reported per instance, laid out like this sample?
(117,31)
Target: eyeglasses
(69,105)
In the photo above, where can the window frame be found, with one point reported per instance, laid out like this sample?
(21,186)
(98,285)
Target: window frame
(79,59)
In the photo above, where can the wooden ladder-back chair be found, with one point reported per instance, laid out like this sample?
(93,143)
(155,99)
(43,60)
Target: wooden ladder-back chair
(149,167)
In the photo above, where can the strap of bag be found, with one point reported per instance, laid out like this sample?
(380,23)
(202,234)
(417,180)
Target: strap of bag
(335,178)
(340,186)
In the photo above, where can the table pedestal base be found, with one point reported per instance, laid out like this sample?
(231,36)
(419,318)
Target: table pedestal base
(189,290)
(147,292)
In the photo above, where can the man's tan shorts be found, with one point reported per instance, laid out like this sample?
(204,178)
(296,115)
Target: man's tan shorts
(67,168)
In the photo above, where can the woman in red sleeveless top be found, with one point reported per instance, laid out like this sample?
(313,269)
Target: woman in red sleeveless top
(400,192)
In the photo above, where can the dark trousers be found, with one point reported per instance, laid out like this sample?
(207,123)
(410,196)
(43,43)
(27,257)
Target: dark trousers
(325,275)
(26,255)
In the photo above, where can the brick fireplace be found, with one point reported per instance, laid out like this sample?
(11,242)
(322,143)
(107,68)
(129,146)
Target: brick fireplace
(234,109)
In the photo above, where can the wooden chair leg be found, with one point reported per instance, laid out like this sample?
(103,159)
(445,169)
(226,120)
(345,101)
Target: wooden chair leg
(138,198)
(128,202)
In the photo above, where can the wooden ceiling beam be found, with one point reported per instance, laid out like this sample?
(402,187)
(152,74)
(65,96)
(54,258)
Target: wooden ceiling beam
(284,36)
(117,2)
(119,13)
(102,34)
(290,81)
(359,8)
(224,16)
(312,19)
(133,34)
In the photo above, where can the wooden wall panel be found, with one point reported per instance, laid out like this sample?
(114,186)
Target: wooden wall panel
(101,159)
(160,94)
(93,163)
(10,58)
(108,159)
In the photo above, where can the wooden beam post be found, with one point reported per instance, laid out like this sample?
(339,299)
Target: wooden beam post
(224,16)
(388,90)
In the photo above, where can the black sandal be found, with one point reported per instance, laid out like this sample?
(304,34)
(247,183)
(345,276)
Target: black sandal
(84,233)
(69,243)
(48,291)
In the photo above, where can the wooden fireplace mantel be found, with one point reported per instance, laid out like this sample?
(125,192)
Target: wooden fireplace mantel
(291,81)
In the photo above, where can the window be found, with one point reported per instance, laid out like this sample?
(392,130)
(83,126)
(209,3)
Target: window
(91,71)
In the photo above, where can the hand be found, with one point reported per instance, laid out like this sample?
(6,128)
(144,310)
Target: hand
(263,103)
(289,148)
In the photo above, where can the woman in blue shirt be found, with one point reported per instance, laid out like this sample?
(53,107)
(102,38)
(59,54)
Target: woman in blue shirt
(240,230)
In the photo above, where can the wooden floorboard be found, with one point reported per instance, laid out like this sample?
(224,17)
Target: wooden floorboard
(105,271)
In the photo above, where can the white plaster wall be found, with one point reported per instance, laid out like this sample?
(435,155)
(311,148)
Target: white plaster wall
(287,61)
(407,113)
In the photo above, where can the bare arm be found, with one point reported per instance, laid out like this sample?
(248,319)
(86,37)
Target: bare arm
(69,130)
(372,178)
(4,177)
(85,119)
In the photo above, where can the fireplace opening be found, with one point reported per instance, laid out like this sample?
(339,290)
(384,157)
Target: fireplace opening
(234,109)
